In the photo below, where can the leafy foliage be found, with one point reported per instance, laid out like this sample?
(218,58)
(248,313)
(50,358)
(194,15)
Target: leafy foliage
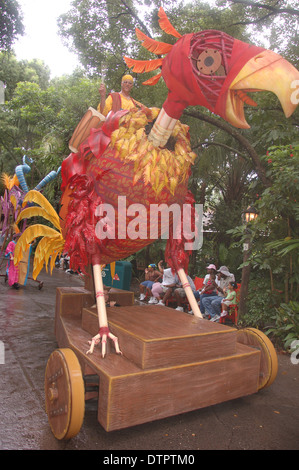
(11,24)
(286,324)
(275,233)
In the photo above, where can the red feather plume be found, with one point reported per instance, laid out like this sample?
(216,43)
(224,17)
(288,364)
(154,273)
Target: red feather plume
(140,66)
(151,45)
(165,24)
(153,80)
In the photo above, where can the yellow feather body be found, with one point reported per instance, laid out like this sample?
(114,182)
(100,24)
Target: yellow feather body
(159,167)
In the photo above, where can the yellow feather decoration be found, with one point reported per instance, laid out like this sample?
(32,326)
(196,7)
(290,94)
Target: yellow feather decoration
(159,167)
(9,182)
(38,198)
(13,201)
(112,270)
(16,228)
(50,247)
(15,181)
(29,235)
(37,212)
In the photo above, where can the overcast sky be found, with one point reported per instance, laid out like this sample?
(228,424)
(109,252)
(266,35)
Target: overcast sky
(41,40)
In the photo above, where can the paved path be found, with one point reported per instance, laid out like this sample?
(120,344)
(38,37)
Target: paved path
(266,420)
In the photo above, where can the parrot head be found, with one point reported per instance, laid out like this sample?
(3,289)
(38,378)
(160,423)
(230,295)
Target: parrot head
(216,71)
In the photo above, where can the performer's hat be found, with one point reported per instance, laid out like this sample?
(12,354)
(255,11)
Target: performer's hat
(127,77)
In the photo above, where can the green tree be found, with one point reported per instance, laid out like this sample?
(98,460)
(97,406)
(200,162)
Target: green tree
(11,24)
(278,219)
(273,236)
(39,120)
(13,71)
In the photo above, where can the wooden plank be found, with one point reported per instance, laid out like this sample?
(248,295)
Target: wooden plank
(129,395)
(156,394)
(154,336)
(121,296)
(113,365)
(71,300)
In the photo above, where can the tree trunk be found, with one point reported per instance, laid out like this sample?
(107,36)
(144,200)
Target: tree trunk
(239,137)
(245,279)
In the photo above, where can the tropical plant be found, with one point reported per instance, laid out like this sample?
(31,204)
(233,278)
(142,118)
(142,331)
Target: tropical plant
(286,324)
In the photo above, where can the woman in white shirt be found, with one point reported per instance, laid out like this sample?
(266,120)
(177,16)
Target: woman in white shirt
(162,290)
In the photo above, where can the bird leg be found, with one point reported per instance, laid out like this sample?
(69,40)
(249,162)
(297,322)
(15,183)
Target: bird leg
(189,294)
(104,331)
(162,129)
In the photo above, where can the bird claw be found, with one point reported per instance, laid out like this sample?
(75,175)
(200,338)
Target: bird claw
(103,334)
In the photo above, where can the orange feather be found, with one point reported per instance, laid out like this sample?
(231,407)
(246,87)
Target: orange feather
(141,66)
(151,45)
(243,96)
(165,24)
(153,80)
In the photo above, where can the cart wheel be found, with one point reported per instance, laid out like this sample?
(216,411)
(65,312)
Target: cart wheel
(269,363)
(64,392)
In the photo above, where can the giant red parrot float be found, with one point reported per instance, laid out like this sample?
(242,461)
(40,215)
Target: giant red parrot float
(122,165)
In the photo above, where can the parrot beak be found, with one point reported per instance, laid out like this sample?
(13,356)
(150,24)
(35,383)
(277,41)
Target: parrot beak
(266,71)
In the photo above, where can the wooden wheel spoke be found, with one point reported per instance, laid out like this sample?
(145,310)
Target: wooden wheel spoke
(64,393)
(268,363)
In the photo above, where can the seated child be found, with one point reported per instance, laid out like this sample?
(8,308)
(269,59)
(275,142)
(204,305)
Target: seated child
(230,298)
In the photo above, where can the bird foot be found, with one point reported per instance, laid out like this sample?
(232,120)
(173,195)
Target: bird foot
(103,334)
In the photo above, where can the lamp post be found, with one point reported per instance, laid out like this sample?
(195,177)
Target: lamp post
(249,215)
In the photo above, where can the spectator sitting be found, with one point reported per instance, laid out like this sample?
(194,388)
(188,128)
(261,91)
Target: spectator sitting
(211,286)
(212,303)
(151,276)
(211,270)
(162,290)
(179,292)
(230,299)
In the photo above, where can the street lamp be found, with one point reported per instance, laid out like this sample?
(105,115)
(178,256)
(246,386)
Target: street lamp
(249,215)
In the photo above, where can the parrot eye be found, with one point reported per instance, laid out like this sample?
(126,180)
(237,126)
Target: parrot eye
(210,53)
(209,62)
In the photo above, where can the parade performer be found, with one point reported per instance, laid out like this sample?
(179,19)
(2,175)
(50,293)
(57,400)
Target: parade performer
(116,101)
(12,271)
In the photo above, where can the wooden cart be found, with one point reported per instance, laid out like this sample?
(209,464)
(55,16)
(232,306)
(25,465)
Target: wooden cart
(172,363)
